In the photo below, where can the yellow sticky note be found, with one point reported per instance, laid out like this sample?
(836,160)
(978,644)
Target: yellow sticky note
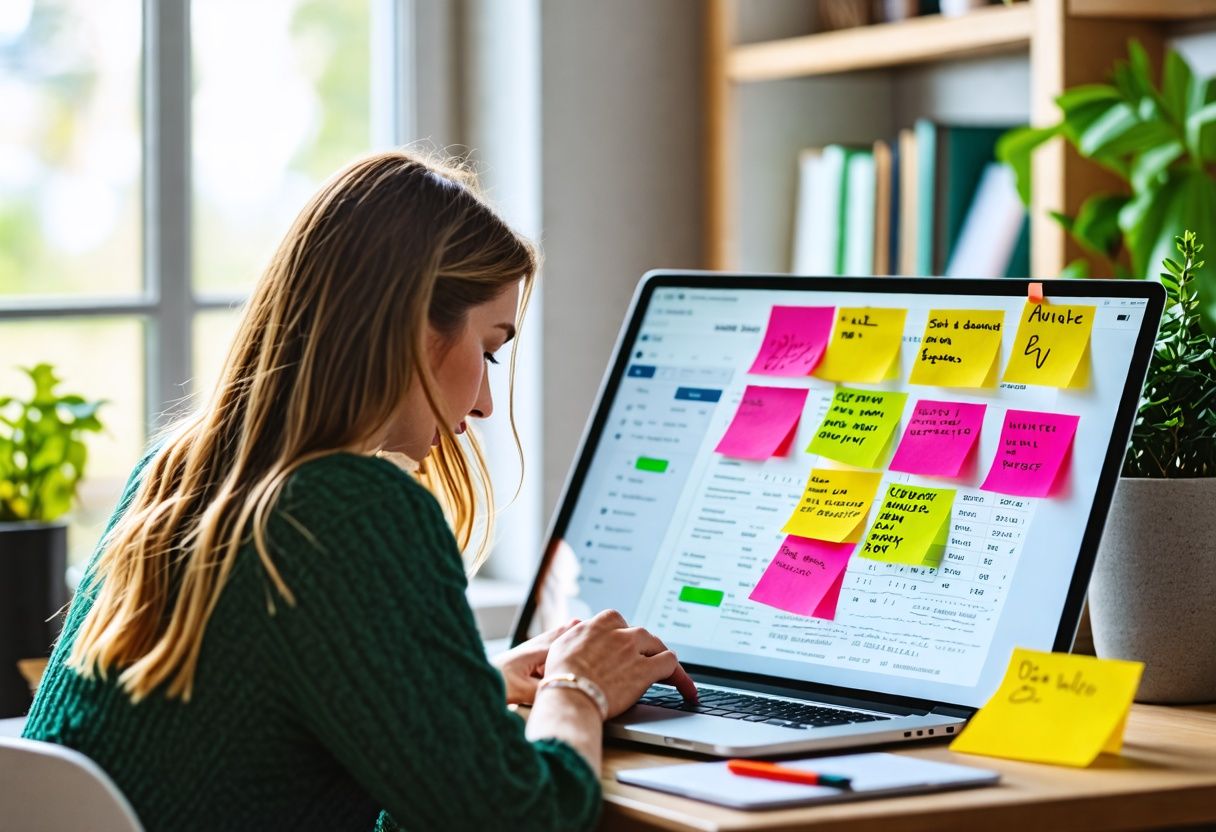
(959,348)
(864,345)
(834,505)
(1054,708)
(1051,347)
(858,426)
(911,526)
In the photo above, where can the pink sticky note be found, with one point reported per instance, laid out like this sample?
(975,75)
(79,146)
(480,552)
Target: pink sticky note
(1032,453)
(938,438)
(826,608)
(804,577)
(764,424)
(795,340)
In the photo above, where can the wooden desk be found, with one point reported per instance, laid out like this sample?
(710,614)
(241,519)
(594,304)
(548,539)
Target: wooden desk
(1166,777)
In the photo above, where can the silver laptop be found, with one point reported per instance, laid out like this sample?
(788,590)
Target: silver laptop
(657,523)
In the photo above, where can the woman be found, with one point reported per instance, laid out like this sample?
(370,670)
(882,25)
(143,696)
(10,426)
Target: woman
(274,632)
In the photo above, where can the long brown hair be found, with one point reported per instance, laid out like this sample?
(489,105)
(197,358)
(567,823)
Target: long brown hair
(328,344)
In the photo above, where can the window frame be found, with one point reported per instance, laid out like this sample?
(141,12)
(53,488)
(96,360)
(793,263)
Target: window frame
(410,39)
(168,302)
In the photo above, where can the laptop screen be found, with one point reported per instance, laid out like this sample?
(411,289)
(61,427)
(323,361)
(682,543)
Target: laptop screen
(881,485)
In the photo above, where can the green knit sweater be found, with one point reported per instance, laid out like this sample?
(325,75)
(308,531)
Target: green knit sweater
(372,694)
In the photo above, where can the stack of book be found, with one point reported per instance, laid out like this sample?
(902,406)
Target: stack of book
(933,202)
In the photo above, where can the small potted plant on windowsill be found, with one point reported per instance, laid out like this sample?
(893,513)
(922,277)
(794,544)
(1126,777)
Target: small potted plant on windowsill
(42,458)
(1150,598)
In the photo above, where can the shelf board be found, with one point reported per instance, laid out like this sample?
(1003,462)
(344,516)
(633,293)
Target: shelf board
(1143,9)
(919,40)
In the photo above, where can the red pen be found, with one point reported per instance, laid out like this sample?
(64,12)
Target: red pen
(772,771)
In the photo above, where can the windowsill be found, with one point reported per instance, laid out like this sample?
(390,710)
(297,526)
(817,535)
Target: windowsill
(495,603)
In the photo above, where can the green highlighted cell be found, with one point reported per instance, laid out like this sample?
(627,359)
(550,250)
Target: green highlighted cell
(646,463)
(701,595)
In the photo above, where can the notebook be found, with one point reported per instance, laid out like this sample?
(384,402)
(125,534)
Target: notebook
(874,775)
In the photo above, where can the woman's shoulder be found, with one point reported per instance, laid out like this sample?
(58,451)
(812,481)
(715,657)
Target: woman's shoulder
(342,488)
(367,509)
(342,483)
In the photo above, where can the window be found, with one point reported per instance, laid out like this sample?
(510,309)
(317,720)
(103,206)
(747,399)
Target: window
(113,265)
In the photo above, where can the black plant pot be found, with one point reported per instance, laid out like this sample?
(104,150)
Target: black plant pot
(33,560)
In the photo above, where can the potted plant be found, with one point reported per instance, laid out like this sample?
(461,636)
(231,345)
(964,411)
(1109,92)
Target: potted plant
(1161,141)
(1150,598)
(42,458)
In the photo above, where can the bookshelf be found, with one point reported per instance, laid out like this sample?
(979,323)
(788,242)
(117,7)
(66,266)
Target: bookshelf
(923,39)
(1064,43)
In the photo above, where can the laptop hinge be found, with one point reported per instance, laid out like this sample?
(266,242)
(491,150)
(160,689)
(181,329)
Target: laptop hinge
(846,701)
(954,710)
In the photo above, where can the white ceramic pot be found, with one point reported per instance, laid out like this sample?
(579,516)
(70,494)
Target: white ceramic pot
(1152,597)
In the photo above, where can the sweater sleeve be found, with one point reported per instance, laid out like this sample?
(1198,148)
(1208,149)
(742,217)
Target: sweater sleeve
(385,666)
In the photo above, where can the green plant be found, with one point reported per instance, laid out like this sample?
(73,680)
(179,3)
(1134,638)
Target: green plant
(1175,431)
(1161,141)
(42,452)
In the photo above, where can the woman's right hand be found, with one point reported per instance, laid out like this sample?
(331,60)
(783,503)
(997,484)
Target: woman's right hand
(624,661)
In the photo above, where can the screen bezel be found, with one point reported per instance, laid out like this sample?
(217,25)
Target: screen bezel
(1149,291)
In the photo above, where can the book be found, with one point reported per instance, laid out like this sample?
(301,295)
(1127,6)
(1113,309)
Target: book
(1019,262)
(857,237)
(896,205)
(818,215)
(952,159)
(990,231)
(884,193)
(909,190)
(925,132)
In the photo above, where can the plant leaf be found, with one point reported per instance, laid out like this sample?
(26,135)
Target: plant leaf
(45,381)
(1078,268)
(1097,224)
(1073,99)
(1176,82)
(1149,165)
(1108,127)
(1063,220)
(1015,147)
(1142,71)
(1200,125)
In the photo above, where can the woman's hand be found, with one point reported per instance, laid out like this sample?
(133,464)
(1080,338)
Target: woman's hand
(523,666)
(624,661)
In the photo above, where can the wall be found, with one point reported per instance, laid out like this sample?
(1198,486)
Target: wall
(621,135)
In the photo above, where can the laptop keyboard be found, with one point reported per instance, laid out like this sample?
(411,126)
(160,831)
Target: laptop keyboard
(735,705)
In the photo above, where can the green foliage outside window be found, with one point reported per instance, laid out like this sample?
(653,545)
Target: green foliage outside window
(42,450)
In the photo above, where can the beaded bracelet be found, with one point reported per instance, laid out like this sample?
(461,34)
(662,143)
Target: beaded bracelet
(585,686)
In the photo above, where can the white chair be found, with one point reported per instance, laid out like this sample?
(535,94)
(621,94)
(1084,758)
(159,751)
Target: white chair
(12,726)
(49,788)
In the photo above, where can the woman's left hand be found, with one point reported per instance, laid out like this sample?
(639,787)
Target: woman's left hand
(522,667)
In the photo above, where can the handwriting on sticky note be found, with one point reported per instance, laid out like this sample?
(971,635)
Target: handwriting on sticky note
(1054,708)
(804,577)
(834,505)
(864,345)
(858,425)
(794,341)
(1032,453)
(939,438)
(911,526)
(764,424)
(1051,347)
(959,348)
